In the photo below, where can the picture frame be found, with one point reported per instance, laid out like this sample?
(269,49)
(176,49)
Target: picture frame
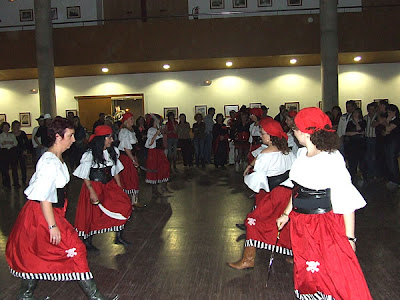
(26,15)
(264,3)
(74,111)
(239,3)
(168,109)
(378,100)
(357,101)
(217,4)
(255,105)
(294,3)
(228,108)
(3,118)
(202,109)
(25,119)
(292,106)
(320,105)
(54,13)
(73,12)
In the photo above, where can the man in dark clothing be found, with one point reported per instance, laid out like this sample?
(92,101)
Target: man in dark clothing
(100,121)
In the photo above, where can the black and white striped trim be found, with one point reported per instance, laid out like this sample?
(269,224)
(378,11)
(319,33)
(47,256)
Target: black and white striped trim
(262,245)
(53,276)
(93,232)
(157,181)
(131,192)
(316,296)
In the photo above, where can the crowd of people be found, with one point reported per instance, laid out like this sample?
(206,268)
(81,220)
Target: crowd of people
(295,164)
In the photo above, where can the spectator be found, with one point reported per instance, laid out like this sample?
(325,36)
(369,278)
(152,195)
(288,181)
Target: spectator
(370,142)
(8,155)
(100,121)
(36,148)
(220,142)
(79,147)
(184,140)
(199,139)
(380,127)
(336,115)
(392,141)
(22,148)
(41,136)
(209,123)
(172,138)
(342,125)
(265,110)
(281,117)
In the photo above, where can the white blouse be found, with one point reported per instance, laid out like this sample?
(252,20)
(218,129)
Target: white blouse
(328,170)
(9,138)
(126,139)
(50,175)
(269,164)
(150,133)
(83,170)
(254,131)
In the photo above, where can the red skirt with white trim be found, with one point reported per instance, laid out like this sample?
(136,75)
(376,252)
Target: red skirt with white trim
(128,176)
(30,255)
(156,160)
(250,156)
(325,265)
(261,230)
(90,219)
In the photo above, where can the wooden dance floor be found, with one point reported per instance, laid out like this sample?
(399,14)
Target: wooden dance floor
(181,243)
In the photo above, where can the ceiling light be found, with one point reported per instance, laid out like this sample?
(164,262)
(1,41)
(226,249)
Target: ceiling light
(166,66)
(229,64)
(34,91)
(357,58)
(293,61)
(126,109)
(104,70)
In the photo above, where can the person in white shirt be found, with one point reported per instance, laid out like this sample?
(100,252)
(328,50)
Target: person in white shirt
(370,141)
(344,119)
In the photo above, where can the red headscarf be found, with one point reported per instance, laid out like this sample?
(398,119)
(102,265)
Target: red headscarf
(258,112)
(273,128)
(100,131)
(126,116)
(312,119)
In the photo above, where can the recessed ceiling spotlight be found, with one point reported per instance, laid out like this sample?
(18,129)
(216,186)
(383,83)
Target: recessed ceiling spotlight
(166,66)
(126,109)
(293,61)
(229,64)
(104,70)
(357,58)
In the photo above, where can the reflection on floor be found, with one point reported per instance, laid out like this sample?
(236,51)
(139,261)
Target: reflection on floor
(180,244)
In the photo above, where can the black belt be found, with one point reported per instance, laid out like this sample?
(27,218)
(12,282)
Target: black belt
(159,144)
(316,211)
(274,181)
(60,198)
(309,201)
(102,175)
(133,150)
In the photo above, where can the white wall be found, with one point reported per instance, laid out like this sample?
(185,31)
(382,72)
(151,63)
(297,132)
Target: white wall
(270,86)
(278,7)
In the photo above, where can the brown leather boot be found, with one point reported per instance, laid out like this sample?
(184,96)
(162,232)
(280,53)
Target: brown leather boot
(247,262)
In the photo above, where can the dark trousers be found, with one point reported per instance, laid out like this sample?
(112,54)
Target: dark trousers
(354,148)
(187,153)
(370,157)
(380,155)
(199,144)
(392,165)
(9,158)
(21,161)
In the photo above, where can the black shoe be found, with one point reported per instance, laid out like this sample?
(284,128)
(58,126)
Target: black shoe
(241,226)
(90,289)
(120,240)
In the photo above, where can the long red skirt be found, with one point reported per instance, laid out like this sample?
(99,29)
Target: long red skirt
(91,220)
(129,176)
(325,265)
(156,160)
(250,156)
(261,229)
(30,255)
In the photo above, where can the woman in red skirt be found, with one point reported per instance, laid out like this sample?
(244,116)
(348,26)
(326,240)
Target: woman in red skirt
(270,181)
(129,176)
(156,159)
(43,244)
(102,206)
(322,215)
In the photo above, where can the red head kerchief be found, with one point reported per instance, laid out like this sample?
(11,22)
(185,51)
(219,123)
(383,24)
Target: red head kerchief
(126,116)
(312,119)
(100,131)
(258,112)
(292,113)
(273,128)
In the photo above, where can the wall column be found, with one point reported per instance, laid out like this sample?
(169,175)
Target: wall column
(329,53)
(45,57)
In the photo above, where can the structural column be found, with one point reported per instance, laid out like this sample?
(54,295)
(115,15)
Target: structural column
(329,53)
(45,56)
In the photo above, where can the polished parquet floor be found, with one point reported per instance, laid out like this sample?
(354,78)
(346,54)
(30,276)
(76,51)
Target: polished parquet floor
(181,243)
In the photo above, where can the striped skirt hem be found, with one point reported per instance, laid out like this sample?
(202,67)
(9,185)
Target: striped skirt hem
(262,245)
(93,232)
(53,276)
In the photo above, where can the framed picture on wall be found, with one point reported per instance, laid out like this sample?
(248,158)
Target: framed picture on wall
(255,105)
(26,15)
(54,13)
(217,4)
(3,118)
(294,3)
(379,100)
(229,108)
(73,12)
(239,3)
(264,3)
(200,109)
(320,104)
(73,111)
(25,119)
(357,101)
(167,110)
(292,106)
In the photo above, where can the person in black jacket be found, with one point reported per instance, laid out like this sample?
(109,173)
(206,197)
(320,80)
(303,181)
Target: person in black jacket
(22,148)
